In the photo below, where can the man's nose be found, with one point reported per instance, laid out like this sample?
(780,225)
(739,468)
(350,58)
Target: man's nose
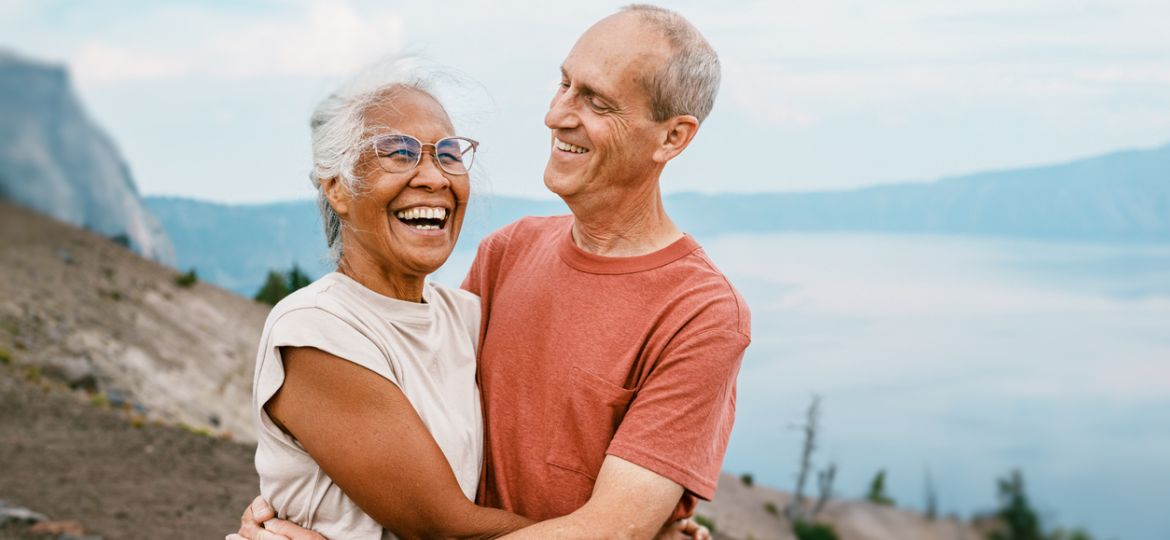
(561,114)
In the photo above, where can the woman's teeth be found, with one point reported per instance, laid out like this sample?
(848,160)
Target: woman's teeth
(423,217)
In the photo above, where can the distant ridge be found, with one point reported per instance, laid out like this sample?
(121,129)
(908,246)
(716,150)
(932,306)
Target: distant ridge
(1119,197)
(1122,196)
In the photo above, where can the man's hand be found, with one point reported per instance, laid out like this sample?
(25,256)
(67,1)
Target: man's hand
(684,529)
(259,523)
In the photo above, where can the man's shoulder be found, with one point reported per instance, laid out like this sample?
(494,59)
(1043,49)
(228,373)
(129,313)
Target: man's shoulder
(529,227)
(707,285)
(529,231)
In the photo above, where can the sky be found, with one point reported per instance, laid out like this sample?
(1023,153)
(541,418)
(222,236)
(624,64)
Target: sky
(211,99)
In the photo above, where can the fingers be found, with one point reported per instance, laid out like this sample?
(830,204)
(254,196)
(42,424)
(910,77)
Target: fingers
(689,528)
(252,522)
(279,529)
(261,510)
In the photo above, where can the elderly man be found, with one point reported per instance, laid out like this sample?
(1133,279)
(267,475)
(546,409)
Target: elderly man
(610,342)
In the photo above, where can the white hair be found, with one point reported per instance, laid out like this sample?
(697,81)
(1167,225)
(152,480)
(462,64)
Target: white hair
(689,81)
(339,130)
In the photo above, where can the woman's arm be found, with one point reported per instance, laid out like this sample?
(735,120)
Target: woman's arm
(365,434)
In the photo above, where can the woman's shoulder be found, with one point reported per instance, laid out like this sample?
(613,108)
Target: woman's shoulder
(315,300)
(455,298)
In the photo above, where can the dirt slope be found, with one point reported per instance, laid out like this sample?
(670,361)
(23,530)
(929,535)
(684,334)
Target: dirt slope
(88,311)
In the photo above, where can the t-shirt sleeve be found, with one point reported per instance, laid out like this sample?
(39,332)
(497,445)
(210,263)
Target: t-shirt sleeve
(319,329)
(488,257)
(680,420)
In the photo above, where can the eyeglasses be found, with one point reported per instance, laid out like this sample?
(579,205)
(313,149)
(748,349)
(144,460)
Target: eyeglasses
(398,153)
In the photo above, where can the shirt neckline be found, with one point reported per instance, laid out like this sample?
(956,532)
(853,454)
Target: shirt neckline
(388,307)
(592,263)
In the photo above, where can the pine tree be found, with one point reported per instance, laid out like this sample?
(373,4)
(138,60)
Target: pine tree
(275,288)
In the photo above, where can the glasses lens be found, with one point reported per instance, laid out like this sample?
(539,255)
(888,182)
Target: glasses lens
(455,154)
(397,153)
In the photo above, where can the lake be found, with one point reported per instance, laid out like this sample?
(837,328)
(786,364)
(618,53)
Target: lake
(967,357)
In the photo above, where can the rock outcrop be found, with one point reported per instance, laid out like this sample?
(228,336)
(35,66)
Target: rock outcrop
(743,512)
(53,159)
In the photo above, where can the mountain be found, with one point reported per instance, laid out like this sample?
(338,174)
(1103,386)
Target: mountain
(1123,196)
(1120,197)
(55,160)
(235,246)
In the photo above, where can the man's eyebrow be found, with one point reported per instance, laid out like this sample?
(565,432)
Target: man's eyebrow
(585,89)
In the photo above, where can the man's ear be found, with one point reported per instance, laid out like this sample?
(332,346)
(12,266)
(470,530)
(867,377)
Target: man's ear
(679,133)
(337,195)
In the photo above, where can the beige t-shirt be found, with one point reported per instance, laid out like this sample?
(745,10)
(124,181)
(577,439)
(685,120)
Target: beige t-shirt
(427,350)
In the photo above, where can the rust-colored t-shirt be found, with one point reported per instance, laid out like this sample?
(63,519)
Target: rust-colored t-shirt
(583,356)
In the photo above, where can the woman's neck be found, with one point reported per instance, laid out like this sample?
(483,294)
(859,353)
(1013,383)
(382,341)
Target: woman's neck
(380,280)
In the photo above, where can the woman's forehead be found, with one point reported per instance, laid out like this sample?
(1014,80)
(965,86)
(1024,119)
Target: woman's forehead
(402,108)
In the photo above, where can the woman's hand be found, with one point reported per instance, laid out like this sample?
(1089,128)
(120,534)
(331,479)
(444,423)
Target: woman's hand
(259,523)
(683,529)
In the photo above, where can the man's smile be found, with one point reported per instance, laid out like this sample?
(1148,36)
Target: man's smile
(562,145)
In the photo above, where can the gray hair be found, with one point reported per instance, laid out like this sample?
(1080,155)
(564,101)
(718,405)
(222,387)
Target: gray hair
(339,130)
(689,81)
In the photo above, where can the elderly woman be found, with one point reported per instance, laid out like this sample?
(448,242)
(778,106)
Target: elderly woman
(364,389)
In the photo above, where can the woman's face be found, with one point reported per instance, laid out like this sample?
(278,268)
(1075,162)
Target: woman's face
(391,217)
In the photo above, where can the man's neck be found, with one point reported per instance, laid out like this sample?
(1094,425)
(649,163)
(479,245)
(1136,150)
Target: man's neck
(625,224)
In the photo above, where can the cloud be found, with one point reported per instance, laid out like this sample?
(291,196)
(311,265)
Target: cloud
(801,64)
(319,39)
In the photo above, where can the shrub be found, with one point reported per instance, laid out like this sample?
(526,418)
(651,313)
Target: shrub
(877,490)
(770,507)
(5,356)
(813,531)
(747,479)
(122,239)
(187,279)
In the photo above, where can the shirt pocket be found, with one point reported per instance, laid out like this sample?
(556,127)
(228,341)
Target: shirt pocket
(588,418)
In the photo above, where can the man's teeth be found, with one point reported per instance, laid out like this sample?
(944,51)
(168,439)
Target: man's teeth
(422,212)
(562,145)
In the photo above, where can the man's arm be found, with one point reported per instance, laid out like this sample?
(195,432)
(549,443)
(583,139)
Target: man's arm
(628,502)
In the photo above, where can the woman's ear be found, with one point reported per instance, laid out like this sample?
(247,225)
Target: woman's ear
(337,195)
(680,132)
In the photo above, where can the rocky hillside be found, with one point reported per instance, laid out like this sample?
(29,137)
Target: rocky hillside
(55,160)
(84,310)
(742,512)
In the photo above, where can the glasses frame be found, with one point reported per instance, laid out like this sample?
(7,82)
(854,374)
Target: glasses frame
(423,150)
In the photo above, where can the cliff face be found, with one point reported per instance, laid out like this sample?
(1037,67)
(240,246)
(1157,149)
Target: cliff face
(53,159)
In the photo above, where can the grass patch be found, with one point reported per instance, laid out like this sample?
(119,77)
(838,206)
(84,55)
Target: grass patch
(196,430)
(99,399)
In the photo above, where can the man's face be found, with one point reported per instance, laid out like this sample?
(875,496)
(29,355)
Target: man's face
(603,134)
